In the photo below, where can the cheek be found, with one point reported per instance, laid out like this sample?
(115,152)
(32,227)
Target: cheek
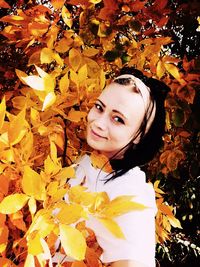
(90,116)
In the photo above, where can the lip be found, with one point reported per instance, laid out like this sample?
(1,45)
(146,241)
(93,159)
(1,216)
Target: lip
(96,134)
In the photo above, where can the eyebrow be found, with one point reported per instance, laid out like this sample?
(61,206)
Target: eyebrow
(114,110)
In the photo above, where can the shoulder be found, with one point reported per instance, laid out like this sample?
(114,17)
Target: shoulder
(133,183)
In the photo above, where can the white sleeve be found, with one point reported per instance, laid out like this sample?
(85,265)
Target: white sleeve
(139,230)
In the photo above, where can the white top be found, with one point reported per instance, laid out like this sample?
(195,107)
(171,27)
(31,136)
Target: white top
(137,226)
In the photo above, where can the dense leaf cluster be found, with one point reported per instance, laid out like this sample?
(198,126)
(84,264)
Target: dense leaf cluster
(54,57)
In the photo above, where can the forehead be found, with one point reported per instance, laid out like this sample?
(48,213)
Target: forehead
(123,95)
(125,100)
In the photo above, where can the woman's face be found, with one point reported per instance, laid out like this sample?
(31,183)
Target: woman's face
(116,117)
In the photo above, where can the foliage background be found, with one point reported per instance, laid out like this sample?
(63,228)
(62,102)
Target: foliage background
(158,37)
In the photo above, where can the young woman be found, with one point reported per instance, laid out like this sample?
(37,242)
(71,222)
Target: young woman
(126,124)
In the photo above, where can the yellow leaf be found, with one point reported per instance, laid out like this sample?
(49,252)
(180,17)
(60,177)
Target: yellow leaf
(17,128)
(47,252)
(50,167)
(75,115)
(121,205)
(41,72)
(59,194)
(53,153)
(7,156)
(82,74)
(174,222)
(52,188)
(92,67)
(29,261)
(49,100)
(46,55)
(66,17)
(78,195)
(57,4)
(34,245)
(90,52)
(32,205)
(69,214)
(73,242)
(35,82)
(65,173)
(74,77)
(75,59)
(95,1)
(4,140)
(21,75)
(32,184)
(174,71)
(58,59)
(160,69)
(44,83)
(64,84)
(101,201)
(112,226)
(35,117)
(27,146)
(102,79)
(2,112)
(42,223)
(19,200)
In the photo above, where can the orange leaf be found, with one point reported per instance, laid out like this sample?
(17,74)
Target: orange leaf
(3,238)
(185,134)
(75,115)
(100,161)
(78,264)
(92,258)
(4,4)
(4,181)
(167,210)
(6,263)
(2,219)
(163,156)
(90,52)
(74,59)
(17,220)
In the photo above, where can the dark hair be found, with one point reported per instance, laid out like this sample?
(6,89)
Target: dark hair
(150,142)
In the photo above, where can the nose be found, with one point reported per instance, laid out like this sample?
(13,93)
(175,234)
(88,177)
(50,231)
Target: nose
(101,122)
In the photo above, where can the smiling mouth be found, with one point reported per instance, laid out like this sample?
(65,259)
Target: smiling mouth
(96,134)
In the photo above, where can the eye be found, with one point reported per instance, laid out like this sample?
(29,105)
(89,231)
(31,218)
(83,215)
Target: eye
(98,107)
(118,120)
